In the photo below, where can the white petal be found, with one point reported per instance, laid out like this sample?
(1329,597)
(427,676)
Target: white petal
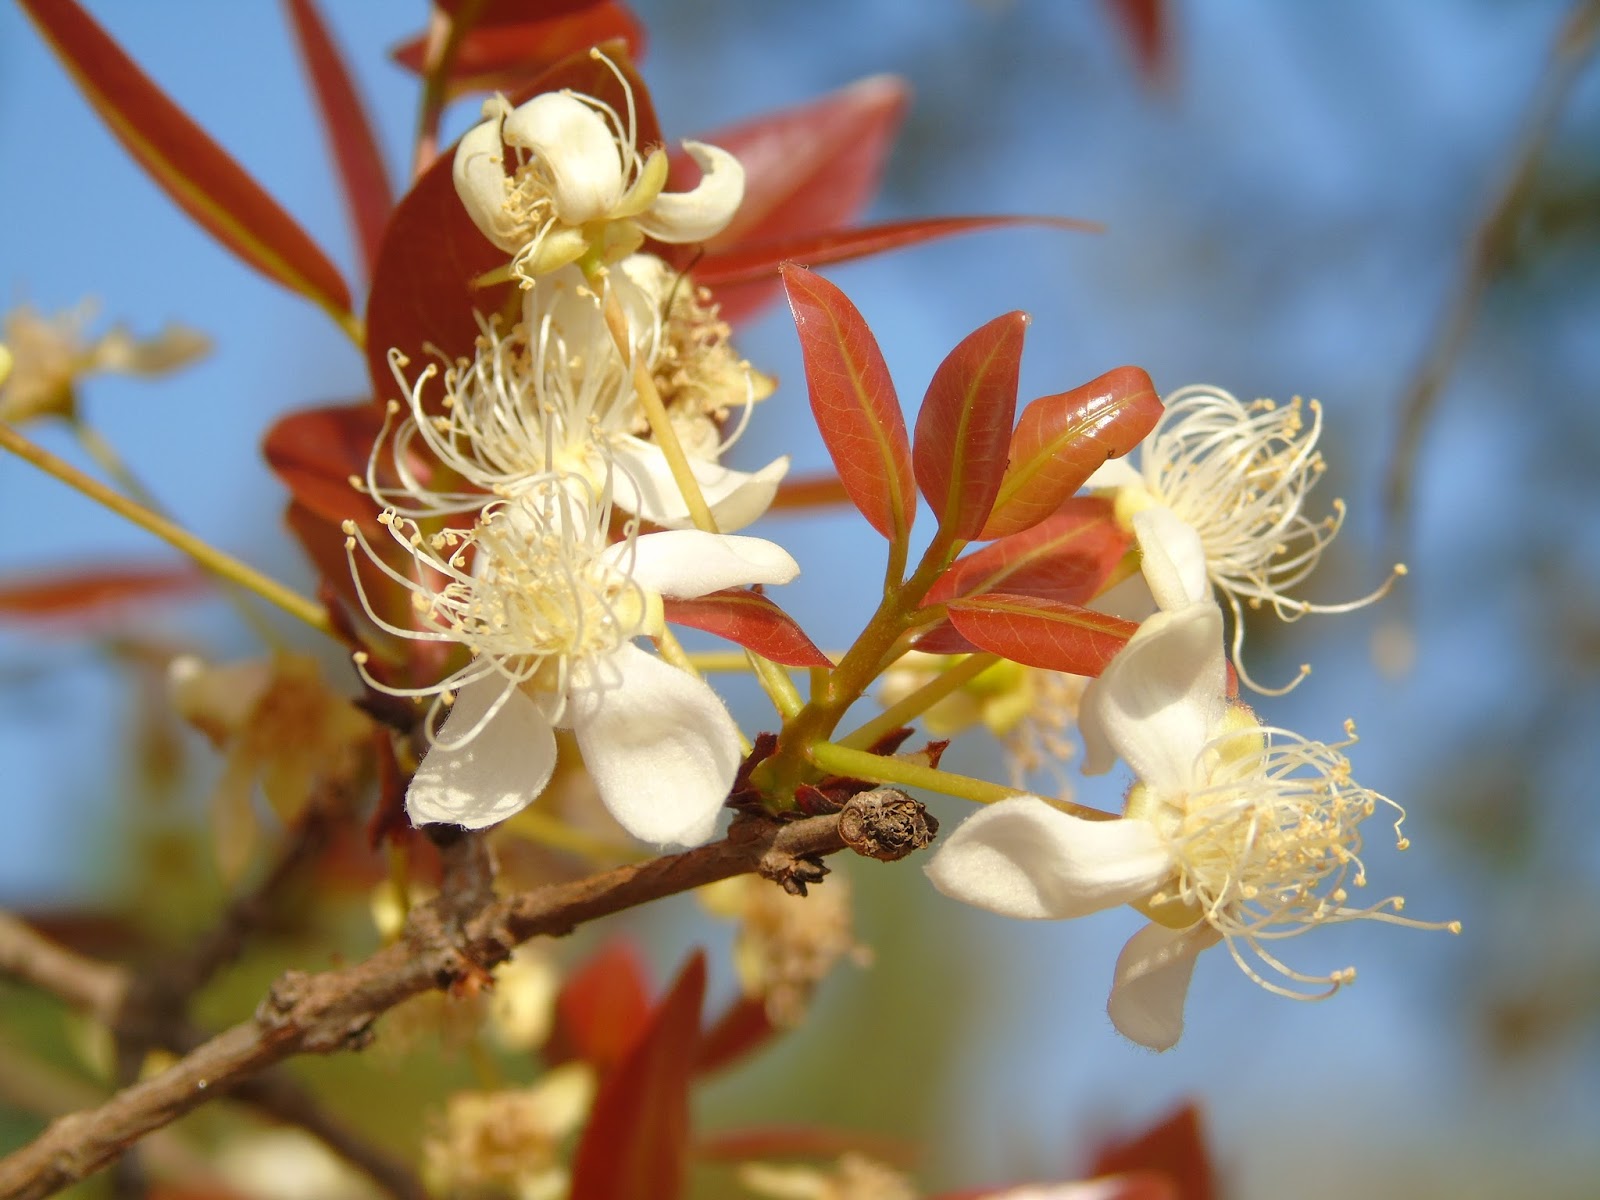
(1024,858)
(500,771)
(1159,700)
(704,212)
(1152,981)
(645,486)
(660,745)
(685,563)
(1172,558)
(480,176)
(578,150)
(1114,473)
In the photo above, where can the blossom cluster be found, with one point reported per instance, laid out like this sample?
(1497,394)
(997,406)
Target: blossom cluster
(538,499)
(546,498)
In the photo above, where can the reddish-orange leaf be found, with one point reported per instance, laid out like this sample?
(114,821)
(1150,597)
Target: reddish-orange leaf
(1041,633)
(1175,1147)
(422,289)
(602,1009)
(368,197)
(1061,440)
(505,56)
(191,168)
(510,12)
(811,167)
(854,403)
(803,1141)
(637,1139)
(738,1033)
(757,261)
(799,492)
(751,620)
(316,451)
(1066,557)
(84,595)
(964,425)
(1147,27)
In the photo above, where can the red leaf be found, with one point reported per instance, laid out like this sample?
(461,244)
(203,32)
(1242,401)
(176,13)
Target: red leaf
(758,261)
(751,620)
(637,1139)
(803,1141)
(1147,27)
(80,596)
(854,402)
(422,290)
(1061,440)
(812,167)
(1174,1147)
(504,56)
(183,160)
(1041,633)
(809,491)
(316,451)
(964,425)
(367,194)
(742,1030)
(1066,557)
(511,12)
(602,1009)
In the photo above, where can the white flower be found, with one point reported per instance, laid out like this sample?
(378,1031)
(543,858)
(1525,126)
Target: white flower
(579,186)
(1236,474)
(549,611)
(44,358)
(1234,832)
(556,396)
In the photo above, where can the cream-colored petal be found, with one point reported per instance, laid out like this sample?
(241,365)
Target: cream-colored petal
(705,211)
(1152,982)
(658,742)
(1159,700)
(685,563)
(478,779)
(1171,558)
(1114,473)
(1023,858)
(480,177)
(645,485)
(578,151)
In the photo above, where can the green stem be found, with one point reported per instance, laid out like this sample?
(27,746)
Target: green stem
(919,701)
(858,764)
(224,566)
(776,683)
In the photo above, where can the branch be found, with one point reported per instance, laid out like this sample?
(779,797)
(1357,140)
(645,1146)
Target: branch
(335,1010)
(91,987)
(1488,251)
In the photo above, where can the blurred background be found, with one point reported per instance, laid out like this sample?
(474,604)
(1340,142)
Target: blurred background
(1294,208)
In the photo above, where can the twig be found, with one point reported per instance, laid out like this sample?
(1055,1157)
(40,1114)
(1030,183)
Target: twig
(91,987)
(1488,251)
(335,1010)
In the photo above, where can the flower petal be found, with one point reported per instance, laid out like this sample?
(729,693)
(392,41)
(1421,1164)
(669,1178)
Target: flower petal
(491,775)
(1171,557)
(659,743)
(1024,858)
(480,176)
(1159,700)
(644,485)
(685,563)
(696,215)
(578,150)
(1152,982)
